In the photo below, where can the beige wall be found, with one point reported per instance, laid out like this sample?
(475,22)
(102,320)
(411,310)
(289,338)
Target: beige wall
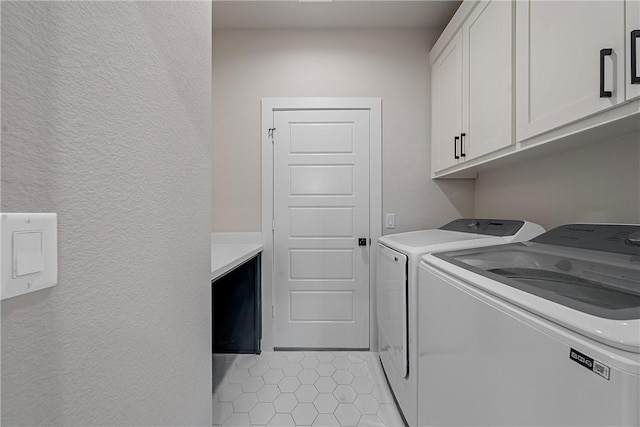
(106,120)
(392,64)
(596,183)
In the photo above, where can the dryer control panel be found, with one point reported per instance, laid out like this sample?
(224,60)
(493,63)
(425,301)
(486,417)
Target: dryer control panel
(490,227)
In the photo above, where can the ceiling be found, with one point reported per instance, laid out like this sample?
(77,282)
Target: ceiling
(287,14)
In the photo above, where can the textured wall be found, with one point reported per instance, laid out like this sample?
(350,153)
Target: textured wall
(595,183)
(392,64)
(106,120)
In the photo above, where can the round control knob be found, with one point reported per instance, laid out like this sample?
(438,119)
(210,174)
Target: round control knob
(633,239)
(474,224)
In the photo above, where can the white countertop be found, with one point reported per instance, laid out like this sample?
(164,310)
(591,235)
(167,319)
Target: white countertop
(229,250)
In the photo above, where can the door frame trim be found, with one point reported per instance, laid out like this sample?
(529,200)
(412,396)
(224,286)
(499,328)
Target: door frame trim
(268,106)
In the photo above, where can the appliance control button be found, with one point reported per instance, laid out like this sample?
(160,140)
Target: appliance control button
(633,239)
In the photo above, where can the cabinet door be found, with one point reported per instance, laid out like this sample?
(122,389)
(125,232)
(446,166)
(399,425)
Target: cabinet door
(633,24)
(446,86)
(488,78)
(558,46)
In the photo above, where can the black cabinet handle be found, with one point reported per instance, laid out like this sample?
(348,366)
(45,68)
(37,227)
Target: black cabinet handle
(603,53)
(635,79)
(462,135)
(455,147)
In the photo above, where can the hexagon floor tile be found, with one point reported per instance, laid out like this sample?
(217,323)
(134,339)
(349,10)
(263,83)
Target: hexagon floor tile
(304,414)
(348,414)
(273,376)
(252,384)
(292,369)
(306,393)
(285,403)
(288,384)
(326,403)
(268,393)
(261,413)
(326,420)
(288,388)
(308,376)
(327,385)
(325,369)
(282,420)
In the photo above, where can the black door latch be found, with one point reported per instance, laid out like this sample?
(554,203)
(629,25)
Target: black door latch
(362,241)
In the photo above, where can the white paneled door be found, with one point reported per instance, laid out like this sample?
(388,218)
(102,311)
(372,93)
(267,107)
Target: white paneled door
(321,210)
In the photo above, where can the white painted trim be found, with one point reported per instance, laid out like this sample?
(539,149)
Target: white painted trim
(269,105)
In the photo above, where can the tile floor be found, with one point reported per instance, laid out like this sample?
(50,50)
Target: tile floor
(295,388)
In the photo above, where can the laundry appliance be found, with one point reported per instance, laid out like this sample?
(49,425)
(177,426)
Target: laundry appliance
(542,333)
(398,258)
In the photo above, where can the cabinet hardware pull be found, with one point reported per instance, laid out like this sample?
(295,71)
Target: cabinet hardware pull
(462,135)
(455,147)
(603,53)
(635,78)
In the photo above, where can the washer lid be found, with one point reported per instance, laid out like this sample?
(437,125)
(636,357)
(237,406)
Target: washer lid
(600,286)
(604,284)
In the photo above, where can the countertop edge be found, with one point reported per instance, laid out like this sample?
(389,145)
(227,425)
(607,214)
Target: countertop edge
(240,254)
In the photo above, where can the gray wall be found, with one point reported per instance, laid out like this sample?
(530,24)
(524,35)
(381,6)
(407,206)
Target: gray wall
(389,63)
(594,183)
(106,120)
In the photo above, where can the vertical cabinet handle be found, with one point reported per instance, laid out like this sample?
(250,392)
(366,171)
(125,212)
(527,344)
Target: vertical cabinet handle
(455,147)
(635,79)
(603,53)
(462,135)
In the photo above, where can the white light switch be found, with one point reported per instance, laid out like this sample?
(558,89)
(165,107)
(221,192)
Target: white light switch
(391,220)
(29,252)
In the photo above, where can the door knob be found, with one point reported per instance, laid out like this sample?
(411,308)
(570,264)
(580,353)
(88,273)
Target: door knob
(362,241)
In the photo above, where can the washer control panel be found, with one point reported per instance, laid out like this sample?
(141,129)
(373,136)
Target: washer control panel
(615,238)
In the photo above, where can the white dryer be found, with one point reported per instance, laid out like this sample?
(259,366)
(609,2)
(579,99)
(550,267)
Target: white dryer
(398,258)
(543,333)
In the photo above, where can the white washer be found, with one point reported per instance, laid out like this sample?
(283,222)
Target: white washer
(398,257)
(541,333)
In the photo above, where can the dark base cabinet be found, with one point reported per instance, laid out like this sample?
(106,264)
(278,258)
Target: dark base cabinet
(237,323)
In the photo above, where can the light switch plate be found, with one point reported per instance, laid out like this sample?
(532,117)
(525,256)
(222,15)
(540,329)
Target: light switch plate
(29,255)
(390,220)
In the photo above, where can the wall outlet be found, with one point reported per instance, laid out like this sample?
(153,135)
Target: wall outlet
(390,220)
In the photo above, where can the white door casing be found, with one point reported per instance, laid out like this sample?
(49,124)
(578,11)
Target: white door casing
(321,193)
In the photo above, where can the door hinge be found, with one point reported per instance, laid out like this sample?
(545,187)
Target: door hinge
(273,311)
(273,224)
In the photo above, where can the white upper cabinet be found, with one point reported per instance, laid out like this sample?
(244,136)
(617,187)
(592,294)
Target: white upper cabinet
(513,76)
(472,81)
(570,61)
(488,78)
(632,75)
(446,88)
